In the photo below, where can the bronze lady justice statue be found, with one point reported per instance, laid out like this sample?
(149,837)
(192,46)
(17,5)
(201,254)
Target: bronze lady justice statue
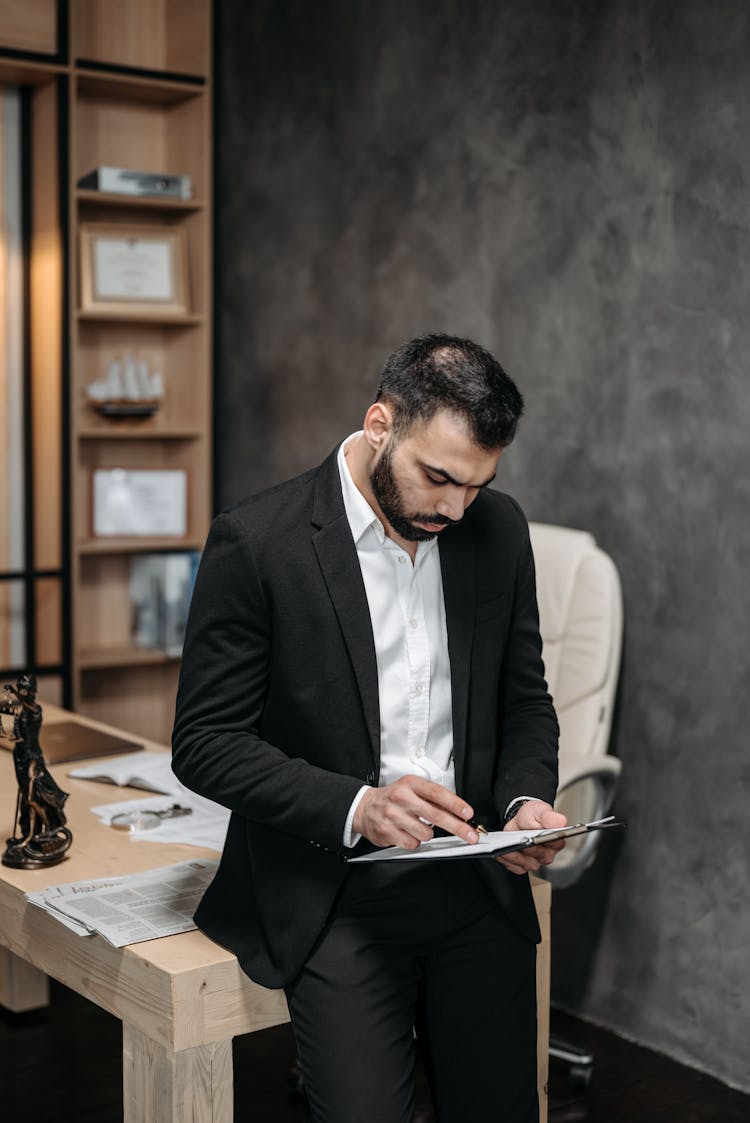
(41,837)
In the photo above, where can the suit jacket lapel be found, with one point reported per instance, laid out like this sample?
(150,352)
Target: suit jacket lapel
(457,563)
(337,557)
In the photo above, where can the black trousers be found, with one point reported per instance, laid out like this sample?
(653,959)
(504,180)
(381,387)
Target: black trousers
(418,945)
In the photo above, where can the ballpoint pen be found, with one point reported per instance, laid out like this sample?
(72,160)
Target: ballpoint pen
(469,822)
(478,827)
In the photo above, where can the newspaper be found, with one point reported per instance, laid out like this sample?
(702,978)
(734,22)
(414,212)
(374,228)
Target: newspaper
(133,908)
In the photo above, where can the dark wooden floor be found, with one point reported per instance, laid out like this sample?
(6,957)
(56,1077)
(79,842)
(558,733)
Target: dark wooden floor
(63,1065)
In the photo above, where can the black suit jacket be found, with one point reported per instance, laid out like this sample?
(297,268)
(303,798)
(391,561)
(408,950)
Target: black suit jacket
(278,716)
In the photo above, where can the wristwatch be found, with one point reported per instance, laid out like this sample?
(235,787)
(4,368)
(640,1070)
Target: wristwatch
(514,808)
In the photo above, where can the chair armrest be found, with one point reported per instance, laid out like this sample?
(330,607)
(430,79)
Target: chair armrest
(597,776)
(574,769)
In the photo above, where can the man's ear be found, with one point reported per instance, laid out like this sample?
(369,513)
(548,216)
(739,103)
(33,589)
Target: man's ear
(378,425)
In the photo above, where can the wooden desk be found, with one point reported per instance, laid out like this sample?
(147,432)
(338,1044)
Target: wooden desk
(181,999)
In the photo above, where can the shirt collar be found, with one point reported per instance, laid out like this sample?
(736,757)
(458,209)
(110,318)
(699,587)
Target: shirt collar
(359,513)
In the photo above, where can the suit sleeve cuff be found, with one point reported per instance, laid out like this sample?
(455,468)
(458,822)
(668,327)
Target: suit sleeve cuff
(349,838)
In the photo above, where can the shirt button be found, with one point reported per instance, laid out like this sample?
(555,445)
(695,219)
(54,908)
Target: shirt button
(402,561)
(413,623)
(420,751)
(418,688)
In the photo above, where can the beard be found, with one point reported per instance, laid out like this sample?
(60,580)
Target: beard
(390,500)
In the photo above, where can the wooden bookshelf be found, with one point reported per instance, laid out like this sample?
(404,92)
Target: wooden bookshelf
(125,85)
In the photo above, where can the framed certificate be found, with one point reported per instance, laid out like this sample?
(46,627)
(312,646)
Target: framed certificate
(139,502)
(135,269)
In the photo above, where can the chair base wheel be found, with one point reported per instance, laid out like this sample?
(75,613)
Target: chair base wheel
(296,1081)
(579,1076)
(580,1063)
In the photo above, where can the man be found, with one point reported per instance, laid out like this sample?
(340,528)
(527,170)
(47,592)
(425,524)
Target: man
(362,666)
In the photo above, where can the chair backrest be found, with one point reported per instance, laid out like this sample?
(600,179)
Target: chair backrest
(580,617)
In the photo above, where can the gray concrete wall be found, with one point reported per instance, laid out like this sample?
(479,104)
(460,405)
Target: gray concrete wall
(567,183)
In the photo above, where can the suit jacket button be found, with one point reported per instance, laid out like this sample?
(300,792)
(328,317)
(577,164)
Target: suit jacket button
(370,777)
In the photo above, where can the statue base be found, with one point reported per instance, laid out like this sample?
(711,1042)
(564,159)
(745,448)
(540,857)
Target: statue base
(37,852)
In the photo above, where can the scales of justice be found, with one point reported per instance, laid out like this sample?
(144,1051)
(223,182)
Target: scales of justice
(40,836)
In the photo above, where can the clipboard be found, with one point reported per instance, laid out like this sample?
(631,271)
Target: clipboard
(489,846)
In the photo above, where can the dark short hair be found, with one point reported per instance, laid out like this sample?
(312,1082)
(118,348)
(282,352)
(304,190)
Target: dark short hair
(443,372)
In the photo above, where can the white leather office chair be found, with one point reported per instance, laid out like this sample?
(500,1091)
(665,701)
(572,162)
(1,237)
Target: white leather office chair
(580,617)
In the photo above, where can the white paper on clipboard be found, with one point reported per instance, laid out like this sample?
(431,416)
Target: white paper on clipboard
(490,845)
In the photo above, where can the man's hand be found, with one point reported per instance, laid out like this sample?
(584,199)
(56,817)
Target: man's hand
(531,816)
(404,813)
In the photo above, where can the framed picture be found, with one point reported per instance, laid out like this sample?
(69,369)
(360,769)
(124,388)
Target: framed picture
(139,502)
(136,269)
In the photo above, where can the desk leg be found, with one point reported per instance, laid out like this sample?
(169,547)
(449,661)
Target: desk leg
(192,1086)
(543,983)
(22,987)
(542,897)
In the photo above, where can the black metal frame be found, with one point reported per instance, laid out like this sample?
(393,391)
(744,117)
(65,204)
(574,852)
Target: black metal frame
(29,573)
(66,478)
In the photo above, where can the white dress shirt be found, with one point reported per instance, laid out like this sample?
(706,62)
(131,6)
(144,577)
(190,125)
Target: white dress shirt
(407,612)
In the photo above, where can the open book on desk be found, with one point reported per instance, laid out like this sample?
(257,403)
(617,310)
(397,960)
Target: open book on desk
(149,771)
(489,845)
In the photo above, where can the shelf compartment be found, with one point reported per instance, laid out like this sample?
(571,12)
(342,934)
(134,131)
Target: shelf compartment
(106,615)
(129,131)
(192,456)
(138,697)
(181,357)
(192,228)
(31,26)
(152,35)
